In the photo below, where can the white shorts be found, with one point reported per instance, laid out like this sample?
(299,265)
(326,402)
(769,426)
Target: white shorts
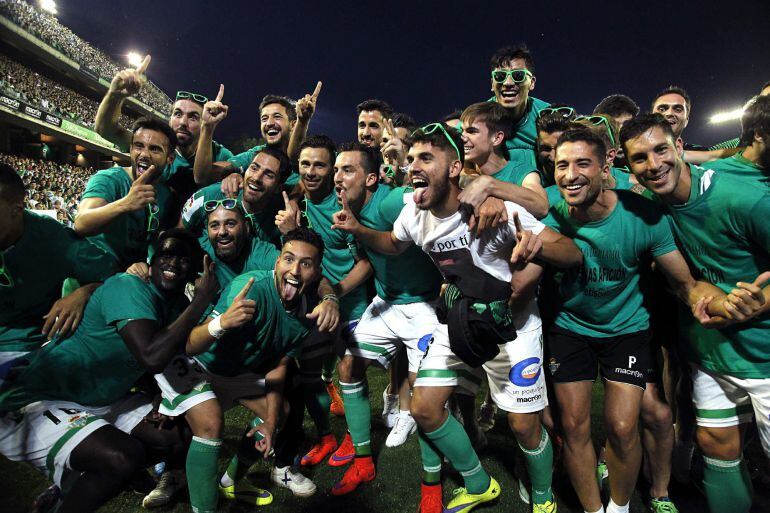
(45,433)
(182,385)
(384,328)
(515,375)
(722,400)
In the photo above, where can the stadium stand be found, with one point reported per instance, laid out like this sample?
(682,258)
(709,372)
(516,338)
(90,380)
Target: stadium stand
(45,27)
(31,87)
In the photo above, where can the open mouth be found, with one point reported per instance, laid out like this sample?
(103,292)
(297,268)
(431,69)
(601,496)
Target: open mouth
(289,288)
(255,187)
(225,242)
(420,186)
(272,132)
(509,94)
(169,273)
(142,166)
(660,177)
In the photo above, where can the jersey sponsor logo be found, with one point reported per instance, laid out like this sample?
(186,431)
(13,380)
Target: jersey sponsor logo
(530,399)
(424,342)
(553,365)
(526,372)
(191,207)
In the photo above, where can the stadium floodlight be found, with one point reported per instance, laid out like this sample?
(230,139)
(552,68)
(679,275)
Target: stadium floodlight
(730,115)
(49,6)
(134,59)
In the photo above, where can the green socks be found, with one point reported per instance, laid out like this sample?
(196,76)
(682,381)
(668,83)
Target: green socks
(358,414)
(450,439)
(727,486)
(317,401)
(202,474)
(245,456)
(540,468)
(431,460)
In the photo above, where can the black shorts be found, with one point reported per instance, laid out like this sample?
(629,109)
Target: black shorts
(574,357)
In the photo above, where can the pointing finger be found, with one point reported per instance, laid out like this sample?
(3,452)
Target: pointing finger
(286,200)
(221,93)
(244,290)
(143,66)
(344,198)
(317,90)
(517,224)
(148,176)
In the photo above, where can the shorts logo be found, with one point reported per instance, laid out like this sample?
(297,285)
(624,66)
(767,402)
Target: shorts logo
(526,372)
(424,342)
(553,365)
(631,361)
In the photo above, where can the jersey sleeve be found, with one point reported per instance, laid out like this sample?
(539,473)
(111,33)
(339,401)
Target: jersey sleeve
(222,153)
(401,225)
(242,161)
(528,221)
(662,237)
(392,205)
(101,186)
(193,213)
(127,298)
(88,262)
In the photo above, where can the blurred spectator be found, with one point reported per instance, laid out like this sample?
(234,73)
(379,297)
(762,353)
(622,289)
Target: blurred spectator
(31,87)
(48,29)
(50,185)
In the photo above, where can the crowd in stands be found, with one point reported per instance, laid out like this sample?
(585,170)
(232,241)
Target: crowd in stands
(47,28)
(50,185)
(31,87)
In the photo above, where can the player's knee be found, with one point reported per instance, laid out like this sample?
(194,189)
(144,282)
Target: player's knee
(427,415)
(622,433)
(720,443)
(657,416)
(525,428)
(577,427)
(345,369)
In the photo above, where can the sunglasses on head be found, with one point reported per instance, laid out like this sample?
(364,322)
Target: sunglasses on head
(431,128)
(517,75)
(599,120)
(153,221)
(565,112)
(186,95)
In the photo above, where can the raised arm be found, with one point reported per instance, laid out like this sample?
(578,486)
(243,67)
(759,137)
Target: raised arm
(240,311)
(94,214)
(381,242)
(305,111)
(530,195)
(214,111)
(126,83)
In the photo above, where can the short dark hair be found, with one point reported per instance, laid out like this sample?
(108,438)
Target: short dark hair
(553,121)
(756,120)
(147,123)
(186,236)
(320,141)
(494,115)
(439,140)
(634,127)
(455,114)
(587,136)
(402,120)
(508,53)
(616,105)
(307,235)
(288,104)
(672,89)
(11,184)
(374,104)
(370,160)
(284,166)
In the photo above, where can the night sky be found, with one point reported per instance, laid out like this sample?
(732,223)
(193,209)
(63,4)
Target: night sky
(428,58)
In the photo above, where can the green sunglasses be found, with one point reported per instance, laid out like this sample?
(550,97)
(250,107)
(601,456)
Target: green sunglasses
(186,95)
(599,120)
(565,112)
(153,221)
(517,75)
(226,203)
(5,275)
(431,128)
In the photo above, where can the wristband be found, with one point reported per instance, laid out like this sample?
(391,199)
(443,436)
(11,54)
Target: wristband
(215,328)
(331,297)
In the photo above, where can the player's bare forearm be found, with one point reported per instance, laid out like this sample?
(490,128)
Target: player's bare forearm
(559,250)
(200,339)
(204,156)
(296,139)
(94,215)
(274,383)
(533,201)
(106,121)
(360,272)
(381,242)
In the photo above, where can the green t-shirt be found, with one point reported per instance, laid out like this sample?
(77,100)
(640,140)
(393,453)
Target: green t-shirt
(242,161)
(724,232)
(603,298)
(94,366)
(409,277)
(38,263)
(742,168)
(514,172)
(127,237)
(179,175)
(272,334)
(194,215)
(622,183)
(521,144)
(340,250)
